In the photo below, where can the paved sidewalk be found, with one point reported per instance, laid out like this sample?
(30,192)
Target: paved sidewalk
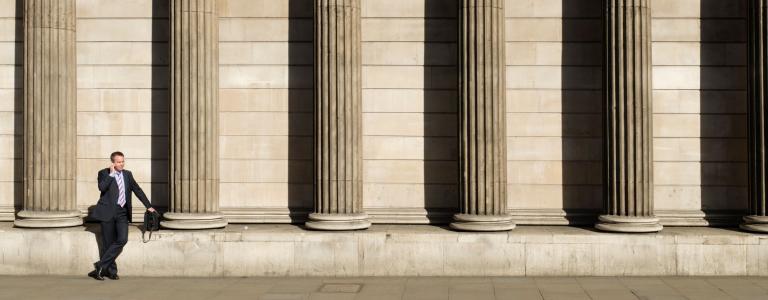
(474,288)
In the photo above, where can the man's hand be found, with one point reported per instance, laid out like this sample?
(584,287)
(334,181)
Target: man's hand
(152,209)
(111,168)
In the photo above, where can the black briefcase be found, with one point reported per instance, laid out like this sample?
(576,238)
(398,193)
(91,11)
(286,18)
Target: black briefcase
(151,223)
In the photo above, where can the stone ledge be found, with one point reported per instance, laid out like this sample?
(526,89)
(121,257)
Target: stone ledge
(391,250)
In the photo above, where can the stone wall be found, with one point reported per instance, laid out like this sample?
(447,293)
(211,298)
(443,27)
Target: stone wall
(699,57)
(409,107)
(391,250)
(554,57)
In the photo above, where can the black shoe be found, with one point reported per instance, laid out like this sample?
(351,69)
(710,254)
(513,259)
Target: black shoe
(113,277)
(97,274)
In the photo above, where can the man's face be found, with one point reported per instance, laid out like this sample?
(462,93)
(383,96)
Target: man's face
(119,162)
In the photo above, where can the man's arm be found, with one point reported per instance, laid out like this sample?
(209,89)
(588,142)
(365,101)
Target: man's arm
(104,180)
(139,192)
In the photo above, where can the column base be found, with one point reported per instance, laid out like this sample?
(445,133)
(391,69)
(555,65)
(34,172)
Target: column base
(470,222)
(755,224)
(48,219)
(193,220)
(613,223)
(336,222)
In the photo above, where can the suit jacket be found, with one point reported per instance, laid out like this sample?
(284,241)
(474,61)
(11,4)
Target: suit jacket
(107,206)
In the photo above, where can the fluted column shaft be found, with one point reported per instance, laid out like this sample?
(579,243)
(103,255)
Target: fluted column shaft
(194,158)
(757,220)
(482,118)
(337,117)
(627,115)
(49,115)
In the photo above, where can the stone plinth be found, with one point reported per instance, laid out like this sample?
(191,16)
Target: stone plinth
(392,250)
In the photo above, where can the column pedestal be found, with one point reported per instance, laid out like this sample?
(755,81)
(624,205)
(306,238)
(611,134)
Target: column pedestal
(469,222)
(628,224)
(338,221)
(755,224)
(193,221)
(44,219)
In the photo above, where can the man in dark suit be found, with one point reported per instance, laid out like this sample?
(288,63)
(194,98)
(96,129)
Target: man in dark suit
(114,211)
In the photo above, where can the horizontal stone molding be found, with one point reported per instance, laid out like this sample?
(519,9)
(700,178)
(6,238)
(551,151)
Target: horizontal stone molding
(717,218)
(553,216)
(7,213)
(436,216)
(379,215)
(265,215)
(383,215)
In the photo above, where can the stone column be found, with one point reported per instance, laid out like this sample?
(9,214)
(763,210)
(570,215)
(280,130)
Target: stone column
(482,118)
(49,115)
(337,129)
(627,115)
(757,220)
(195,116)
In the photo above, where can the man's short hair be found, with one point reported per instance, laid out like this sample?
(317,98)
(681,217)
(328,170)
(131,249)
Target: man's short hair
(116,153)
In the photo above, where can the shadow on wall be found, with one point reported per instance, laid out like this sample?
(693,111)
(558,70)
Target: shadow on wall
(300,109)
(18,100)
(161,99)
(723,120)
(440,107)
(581,95)
(95,229)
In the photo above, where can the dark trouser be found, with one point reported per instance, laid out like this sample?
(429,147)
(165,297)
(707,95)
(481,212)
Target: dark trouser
(114,235)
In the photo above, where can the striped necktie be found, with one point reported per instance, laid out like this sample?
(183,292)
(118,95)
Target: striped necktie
(121,187)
